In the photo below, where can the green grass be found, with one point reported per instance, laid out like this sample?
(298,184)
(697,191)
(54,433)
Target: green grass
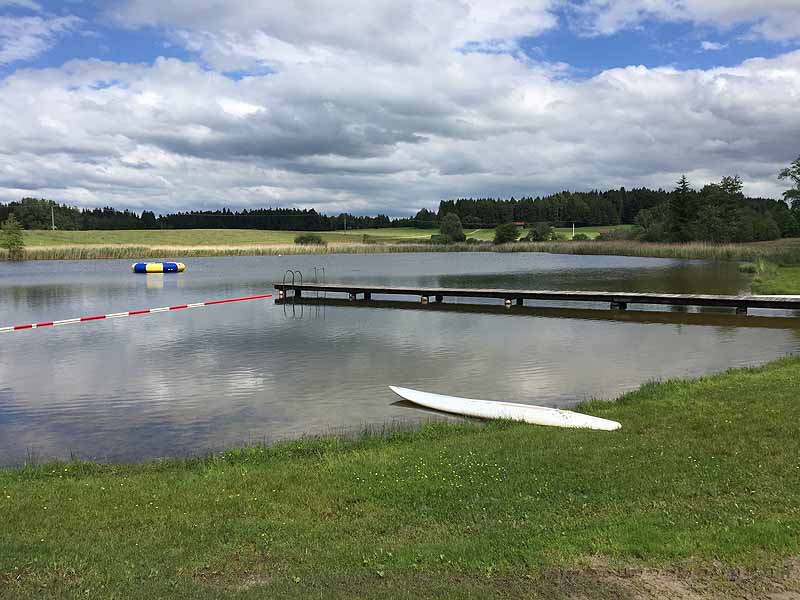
(780,280)
(140,244)
(591,232)
(704,474)
(237,237)
(208,237)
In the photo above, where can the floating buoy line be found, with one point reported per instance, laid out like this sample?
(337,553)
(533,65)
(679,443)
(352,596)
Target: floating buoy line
(130,313)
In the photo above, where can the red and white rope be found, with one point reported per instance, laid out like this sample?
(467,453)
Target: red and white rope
(129,313)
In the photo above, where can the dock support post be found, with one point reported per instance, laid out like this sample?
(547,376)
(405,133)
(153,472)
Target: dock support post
(619,305)
(741,310)
(440,298)
(423,299)
(519,302)
(367,295)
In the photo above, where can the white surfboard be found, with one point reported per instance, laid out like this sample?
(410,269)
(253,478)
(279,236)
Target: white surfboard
(489,409)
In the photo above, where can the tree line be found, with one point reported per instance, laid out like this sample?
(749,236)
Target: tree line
(611,207)
(582,208)
(718,212)
(39,213)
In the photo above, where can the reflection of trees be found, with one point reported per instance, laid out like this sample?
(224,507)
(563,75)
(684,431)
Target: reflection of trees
(687,278)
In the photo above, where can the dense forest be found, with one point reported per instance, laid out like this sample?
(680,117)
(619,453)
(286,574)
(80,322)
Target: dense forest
(565,208)
(582,208)
(718,212)
(34,213)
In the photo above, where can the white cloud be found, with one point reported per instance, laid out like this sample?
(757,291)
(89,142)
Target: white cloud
(24,38)
(375,136)
(712,46)
(771,19)
(378,106)
(239,34)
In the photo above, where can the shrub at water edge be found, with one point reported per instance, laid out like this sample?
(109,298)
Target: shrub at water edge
(310,239)
(506,233)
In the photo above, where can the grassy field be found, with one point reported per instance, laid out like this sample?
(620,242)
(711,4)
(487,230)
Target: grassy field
(702,482)
(780,280)
(173,244)
(239,237)
(206,237)
(591,232)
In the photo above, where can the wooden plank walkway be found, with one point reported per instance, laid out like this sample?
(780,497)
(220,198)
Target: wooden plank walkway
(616,300)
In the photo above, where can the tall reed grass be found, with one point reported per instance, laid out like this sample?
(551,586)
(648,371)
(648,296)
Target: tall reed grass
(782,252)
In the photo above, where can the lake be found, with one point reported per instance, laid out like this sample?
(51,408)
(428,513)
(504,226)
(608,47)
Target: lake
(186,382)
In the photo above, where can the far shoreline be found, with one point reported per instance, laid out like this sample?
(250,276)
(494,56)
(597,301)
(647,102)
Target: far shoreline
(785,251)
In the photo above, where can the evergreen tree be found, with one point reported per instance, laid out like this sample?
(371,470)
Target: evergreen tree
(11,238)
(506,233)
(425,219)
(540,232)
(682,211)
(732,186)
(149,220)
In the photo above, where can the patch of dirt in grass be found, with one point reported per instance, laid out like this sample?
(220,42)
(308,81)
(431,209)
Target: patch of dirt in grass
(778,582)
(598,581)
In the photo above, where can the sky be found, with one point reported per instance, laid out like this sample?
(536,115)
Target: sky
(389,106)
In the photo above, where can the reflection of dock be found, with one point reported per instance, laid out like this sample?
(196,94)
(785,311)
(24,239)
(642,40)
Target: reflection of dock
(677,317)
(616,300)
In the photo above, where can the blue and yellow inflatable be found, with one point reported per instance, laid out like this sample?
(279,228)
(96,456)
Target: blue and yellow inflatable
(160,267)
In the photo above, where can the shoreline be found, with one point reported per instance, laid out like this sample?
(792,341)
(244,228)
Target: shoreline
(698,480)
(784,251)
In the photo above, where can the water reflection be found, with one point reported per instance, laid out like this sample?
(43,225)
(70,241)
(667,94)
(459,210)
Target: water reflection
(177,383)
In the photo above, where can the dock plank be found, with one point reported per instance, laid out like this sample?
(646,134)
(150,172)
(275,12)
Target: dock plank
(615,299)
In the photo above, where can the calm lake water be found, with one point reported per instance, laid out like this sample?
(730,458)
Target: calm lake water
(185,382)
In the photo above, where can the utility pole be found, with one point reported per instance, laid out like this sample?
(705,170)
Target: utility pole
(345,222)
(53,217)
(573,230)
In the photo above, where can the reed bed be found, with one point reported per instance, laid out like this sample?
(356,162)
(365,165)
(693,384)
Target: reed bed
(782,252)
(145,252)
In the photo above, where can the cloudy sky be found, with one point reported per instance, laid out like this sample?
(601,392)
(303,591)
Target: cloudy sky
(390,105)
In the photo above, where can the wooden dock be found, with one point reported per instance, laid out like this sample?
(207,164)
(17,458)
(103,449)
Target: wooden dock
(616,300)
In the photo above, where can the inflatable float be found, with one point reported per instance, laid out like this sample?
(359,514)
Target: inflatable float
(158,267)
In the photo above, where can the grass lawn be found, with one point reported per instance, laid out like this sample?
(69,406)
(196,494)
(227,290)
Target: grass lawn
(591,232)
(239,237)
(783,280)
(181,243)
(207,237)
(703,475)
